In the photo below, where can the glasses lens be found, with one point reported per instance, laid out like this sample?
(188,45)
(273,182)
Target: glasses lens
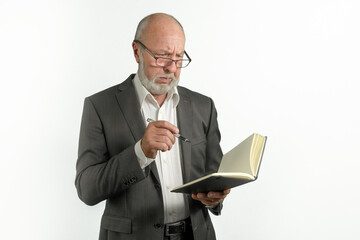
(163,62)
(179,63)
(183,63)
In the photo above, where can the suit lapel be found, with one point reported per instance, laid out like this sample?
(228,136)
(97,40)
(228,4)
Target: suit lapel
(129,106)
(185,118)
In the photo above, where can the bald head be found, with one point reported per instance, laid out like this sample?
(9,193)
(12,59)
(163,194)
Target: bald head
(155,21)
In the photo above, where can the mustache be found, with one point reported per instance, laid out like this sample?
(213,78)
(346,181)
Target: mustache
(170,75)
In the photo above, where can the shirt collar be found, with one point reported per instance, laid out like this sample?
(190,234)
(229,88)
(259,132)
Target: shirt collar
(142,93)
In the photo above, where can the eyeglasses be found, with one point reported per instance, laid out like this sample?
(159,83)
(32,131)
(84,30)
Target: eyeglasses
(165,62)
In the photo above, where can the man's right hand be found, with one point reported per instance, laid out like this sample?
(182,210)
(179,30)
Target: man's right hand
(159,135)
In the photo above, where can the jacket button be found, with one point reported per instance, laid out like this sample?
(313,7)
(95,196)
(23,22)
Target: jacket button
(157,186)
(157,225)
(132,180)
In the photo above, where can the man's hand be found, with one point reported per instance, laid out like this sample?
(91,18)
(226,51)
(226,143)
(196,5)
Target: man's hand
(211,198)
(159,135)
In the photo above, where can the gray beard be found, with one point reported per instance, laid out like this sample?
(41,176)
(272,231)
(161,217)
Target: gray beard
(153,87)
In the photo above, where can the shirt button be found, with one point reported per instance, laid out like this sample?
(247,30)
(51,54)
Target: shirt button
(157,225)
(165,160)
(168,187)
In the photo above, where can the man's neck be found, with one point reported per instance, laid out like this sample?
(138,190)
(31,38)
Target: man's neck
(160,98)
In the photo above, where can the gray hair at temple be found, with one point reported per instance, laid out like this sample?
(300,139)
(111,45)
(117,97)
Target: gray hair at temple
(143,24)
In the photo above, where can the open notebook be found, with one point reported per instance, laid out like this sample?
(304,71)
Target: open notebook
(239,166)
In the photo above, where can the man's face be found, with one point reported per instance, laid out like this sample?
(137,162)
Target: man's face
(164,39)
(152,85)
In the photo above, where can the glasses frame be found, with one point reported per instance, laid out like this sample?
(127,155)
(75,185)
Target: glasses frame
(188,61)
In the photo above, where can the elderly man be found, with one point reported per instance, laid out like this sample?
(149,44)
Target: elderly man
(128,152)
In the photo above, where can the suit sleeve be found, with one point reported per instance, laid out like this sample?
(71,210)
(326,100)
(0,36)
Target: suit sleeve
(99,176)
(213,150)
(213,137)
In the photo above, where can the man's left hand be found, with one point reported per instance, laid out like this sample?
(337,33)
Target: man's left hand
(211,198)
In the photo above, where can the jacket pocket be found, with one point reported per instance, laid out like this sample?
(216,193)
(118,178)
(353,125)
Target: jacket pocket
(197,140)
(116,224)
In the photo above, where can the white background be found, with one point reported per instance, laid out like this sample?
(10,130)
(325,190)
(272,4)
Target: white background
(285,69)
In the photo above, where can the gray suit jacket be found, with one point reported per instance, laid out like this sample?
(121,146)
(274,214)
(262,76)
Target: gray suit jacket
(108,169)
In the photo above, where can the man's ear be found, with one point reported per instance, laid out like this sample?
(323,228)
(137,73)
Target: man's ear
(136,52)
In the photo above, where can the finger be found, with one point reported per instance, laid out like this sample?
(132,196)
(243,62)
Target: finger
(151,144)
(155,135)
(208,200)
(164,142)
(227,191)
(222,194)
(215,195)
(154,130)
(202,197)
(167,125)
(162,146)
(194,196)
(165,132)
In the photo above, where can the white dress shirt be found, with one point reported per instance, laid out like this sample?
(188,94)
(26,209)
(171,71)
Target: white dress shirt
(168,163)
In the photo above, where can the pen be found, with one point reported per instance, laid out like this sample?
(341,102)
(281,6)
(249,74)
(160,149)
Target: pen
(176,135)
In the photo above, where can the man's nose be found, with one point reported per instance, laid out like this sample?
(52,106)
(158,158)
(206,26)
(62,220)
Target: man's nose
(171,68)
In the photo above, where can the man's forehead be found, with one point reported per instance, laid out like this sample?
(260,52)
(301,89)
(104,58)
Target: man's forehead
(168,43)
(170,50)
